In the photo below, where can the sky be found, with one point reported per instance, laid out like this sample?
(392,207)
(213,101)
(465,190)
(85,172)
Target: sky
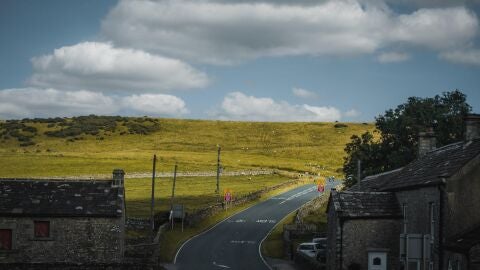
(252,60)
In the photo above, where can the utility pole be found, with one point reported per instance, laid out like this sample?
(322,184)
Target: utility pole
(152,203)
(359,173)
(173,187)
(218,170)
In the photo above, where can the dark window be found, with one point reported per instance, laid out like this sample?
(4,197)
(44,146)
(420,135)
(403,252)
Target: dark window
(42,229)
(5,239)
(377,261)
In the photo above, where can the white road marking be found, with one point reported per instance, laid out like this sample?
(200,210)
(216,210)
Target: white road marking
(296,195)
(237,221)
(250,242)
(220,265)
(267,221)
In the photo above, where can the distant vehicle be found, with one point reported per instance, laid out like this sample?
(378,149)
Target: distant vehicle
(309,249)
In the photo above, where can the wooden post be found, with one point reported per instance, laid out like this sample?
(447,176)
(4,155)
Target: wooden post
(173,195)
(173,187)
(359,174)
(218,170)
(152,202)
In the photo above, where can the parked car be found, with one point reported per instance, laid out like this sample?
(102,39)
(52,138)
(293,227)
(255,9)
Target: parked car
(309,249)
(322,252)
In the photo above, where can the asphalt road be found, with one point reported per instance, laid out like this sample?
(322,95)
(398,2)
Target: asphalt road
(235,242)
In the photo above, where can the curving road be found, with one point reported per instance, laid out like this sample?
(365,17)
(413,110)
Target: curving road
(235,242)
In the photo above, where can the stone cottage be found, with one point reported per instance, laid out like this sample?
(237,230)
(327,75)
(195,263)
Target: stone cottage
(439,202)
(62,222)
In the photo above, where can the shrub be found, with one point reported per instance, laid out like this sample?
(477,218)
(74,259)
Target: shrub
(340,125)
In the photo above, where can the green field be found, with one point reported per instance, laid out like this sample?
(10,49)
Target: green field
(193,192)
(312,147)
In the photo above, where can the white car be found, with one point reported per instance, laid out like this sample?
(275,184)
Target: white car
(309,249)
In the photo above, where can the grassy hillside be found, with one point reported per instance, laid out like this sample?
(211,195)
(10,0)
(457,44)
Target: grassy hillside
(96,145)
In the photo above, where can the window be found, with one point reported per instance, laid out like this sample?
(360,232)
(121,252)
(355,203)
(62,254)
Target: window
(377,261)
(42,229)
(5,239)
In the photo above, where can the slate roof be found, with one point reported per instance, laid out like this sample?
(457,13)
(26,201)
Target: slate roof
(437,164)
(374,182)
(365,204)
(87,198)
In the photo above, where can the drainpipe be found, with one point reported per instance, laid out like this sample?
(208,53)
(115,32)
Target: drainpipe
(440,225)
(341,244)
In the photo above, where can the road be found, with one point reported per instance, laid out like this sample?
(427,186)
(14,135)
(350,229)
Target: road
(235,242)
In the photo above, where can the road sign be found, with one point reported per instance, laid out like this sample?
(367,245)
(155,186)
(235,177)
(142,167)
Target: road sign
(227,197)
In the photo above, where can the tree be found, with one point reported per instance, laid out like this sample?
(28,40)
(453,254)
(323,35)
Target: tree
(397,129)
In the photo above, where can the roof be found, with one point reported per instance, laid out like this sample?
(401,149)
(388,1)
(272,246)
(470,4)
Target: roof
(374,182)
(23,197)
(365,204)
(437,164)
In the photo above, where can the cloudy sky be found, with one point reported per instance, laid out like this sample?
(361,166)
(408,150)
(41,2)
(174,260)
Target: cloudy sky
(265,60)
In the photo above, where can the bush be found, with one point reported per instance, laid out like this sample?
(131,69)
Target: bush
(29,143)
(340,125)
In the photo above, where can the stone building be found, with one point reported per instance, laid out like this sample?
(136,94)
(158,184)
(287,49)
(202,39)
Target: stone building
(438,196)
(62,222)
(354,214)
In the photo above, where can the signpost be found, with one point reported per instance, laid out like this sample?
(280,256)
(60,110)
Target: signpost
(321,185)
(227,197)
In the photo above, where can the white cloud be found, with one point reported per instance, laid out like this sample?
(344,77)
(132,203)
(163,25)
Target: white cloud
(466,56)
(393,57)
(155,104)
(352,113)
(230,32)
(238,106)
(35,102)
(303,93)
(102,67)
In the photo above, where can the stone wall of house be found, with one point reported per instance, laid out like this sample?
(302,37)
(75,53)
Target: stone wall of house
(463,200)
(418,215)
(383,236)
(72,240)
(333,240)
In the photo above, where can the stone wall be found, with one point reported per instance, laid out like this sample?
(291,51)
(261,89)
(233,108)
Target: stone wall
(418,215)
(333,240)
(463,200)
(72,240)
(363,235)
(201,214)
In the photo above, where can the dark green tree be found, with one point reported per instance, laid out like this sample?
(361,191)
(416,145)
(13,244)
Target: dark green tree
(397,130)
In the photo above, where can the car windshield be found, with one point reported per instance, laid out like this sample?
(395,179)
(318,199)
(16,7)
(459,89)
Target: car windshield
(306,247)
(319,246)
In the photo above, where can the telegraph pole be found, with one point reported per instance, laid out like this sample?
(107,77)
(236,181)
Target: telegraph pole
(218,170)
(152,203)
(174,181)
(359,173)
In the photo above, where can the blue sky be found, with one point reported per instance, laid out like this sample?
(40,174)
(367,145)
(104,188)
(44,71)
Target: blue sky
(307,60)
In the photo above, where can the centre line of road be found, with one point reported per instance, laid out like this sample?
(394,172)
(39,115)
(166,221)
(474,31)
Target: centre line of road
(298,194)
(220,265)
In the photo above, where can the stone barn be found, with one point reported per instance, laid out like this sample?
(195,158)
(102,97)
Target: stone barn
(62,222)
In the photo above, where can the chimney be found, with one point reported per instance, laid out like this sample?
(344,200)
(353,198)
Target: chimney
(426,142)
(118,177)
(472,127)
